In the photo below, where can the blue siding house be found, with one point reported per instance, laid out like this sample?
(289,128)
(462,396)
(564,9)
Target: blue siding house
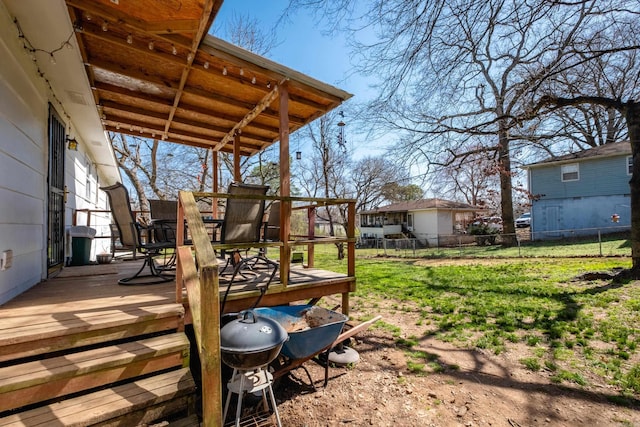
(581,193)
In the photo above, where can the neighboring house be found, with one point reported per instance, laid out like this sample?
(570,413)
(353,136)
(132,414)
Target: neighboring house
(581,193)
(434,221)
(43,181)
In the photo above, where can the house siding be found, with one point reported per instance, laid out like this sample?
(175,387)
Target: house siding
(431,225)
(582,207)
(579,216)
(23,162)
(597,177)
(24,113)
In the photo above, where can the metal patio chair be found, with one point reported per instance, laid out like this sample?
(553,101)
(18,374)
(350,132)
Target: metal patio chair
(138,237)
(164,218)
(242,226)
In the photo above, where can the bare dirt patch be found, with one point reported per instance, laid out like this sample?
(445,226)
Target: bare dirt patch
(459,387)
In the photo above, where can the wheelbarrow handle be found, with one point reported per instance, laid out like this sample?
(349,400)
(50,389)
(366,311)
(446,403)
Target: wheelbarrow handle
(351,332)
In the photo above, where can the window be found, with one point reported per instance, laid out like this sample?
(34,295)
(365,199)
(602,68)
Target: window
(570,172)
(629,165)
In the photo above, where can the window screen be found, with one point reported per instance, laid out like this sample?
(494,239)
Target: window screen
(570,172)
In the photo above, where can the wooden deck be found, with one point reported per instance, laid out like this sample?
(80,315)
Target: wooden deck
(73,336)
(80,291)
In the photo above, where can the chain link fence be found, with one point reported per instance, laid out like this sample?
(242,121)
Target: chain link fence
(607,241)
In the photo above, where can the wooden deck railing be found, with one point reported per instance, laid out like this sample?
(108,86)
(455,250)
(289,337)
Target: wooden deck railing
(197,272)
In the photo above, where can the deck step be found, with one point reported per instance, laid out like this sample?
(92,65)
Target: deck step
(190,421)
(32,335)
(136,403)
(51,378)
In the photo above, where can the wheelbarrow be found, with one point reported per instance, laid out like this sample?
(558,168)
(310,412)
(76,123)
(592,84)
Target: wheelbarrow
(312,330)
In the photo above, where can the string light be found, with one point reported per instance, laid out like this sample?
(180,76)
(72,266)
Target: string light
(253,80)
(174,50)
(224,71)
(31,51)
(130,39)
(151,45)
(190,57)
(241,72)
(105,26)
(206,65)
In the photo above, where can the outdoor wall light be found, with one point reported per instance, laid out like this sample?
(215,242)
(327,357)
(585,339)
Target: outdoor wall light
(72,144)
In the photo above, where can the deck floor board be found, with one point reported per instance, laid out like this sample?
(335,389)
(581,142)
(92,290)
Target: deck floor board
(86,301)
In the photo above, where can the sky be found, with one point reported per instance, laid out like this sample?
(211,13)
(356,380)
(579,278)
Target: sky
(302,45)
(304,48)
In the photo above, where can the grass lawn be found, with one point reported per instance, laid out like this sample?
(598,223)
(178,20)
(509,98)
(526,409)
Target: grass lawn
(581,331)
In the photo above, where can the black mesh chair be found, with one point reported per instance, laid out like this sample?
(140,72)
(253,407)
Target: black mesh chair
(164,219)
(139,238)
(242,225)
(165,214)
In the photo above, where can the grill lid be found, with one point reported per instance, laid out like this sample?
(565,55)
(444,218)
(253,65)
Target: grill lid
(250,333)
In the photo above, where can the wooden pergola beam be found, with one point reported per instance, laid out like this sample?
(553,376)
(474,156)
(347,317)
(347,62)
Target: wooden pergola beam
(255,112)
(203,26)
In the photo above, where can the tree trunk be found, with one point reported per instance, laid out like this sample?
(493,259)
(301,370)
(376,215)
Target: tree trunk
(506,189)
(632,116)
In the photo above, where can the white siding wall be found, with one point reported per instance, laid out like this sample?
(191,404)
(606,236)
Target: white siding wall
(80,172)
(445,222)
(23,164)
(425,226)
(430,224)
(24,99)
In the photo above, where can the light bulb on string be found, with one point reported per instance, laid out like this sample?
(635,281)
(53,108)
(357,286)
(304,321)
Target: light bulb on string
(206,65)
(129,39)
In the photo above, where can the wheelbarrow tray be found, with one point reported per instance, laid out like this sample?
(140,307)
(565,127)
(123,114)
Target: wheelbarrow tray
(311,328)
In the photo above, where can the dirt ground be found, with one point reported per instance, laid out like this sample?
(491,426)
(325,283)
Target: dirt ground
(472,388)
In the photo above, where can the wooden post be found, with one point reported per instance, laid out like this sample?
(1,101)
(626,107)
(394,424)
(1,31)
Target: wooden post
(351,251)
(237,176)
(210,358)
(285,185)
(311,232)
(214,183)
(179,242)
